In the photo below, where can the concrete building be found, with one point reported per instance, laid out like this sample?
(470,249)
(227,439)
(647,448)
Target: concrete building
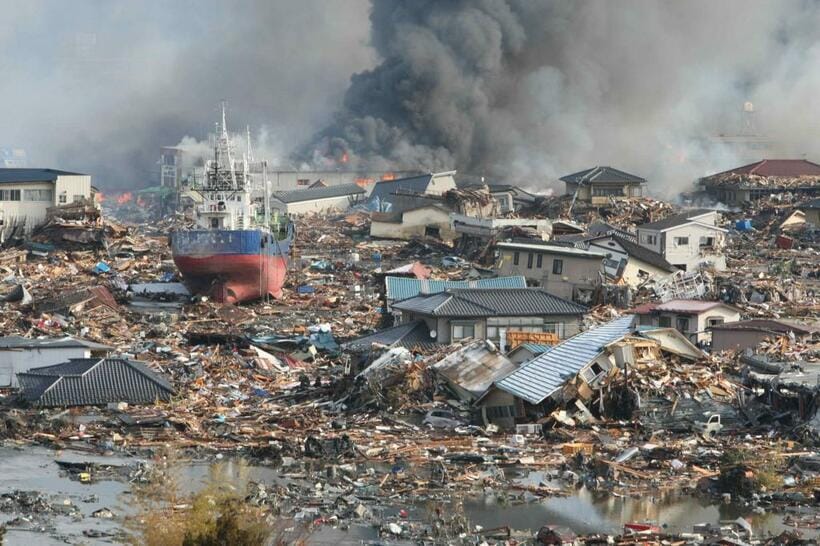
(688,241)
(763,178)
(317,199)
(403,193)
(598,185)
(565,271)
(20,354)
(26,194)
(490,313)
(746,334)
(692,318)
(424,221)
(170,167)
(629,262)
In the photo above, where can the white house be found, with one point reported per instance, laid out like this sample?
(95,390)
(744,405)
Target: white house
(20,354)
(26,194)
(690,317)
(688,241)
(630,262)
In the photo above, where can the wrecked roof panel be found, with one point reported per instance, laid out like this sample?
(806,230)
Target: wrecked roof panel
(538,378)
(474,367)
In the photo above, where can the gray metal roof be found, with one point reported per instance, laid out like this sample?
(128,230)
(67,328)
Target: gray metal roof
(18,342)
(8,176)
(537,379)
(311,194)
(675,220)
(490,302)
(553,248)
(473,368)
(94,382)
(416,184)
(402,288)
(602,175)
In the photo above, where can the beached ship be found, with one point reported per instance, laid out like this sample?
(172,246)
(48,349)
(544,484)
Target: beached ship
(234,253)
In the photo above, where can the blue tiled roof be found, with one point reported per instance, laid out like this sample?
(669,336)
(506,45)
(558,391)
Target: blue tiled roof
(538,378)
(402,288)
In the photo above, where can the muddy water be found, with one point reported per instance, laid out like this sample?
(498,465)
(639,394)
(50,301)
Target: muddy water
(33,468)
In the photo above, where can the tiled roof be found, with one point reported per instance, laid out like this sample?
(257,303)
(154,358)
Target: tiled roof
(490,302)
(402,288)
(409,335)
(602,175)
(311,194)
(18,342)
(33,175)
(94,382)
(675,220)
(775,167)
(538,378)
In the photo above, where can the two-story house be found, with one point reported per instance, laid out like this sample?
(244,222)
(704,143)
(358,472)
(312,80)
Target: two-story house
(688,240)
(692,318)
(566,271)
(491,313)
(598,185)
(628,261)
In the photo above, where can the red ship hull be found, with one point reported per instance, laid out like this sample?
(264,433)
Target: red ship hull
(234,278)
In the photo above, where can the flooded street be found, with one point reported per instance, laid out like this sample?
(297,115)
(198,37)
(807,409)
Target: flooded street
(35,469)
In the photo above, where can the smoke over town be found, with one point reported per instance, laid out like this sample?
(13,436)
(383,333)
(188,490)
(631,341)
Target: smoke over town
(526,90)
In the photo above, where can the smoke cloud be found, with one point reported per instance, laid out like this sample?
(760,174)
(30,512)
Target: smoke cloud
(518,90)
(530,90)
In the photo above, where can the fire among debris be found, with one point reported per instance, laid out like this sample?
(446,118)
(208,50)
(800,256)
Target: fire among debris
(124,198)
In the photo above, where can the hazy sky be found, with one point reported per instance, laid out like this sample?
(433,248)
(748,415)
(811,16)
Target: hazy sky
(525,90)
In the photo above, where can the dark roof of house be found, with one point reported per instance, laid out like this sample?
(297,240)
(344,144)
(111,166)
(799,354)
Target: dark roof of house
(602,175)
(775,167)
(18,342)
(768,325)
(813,204)
(639,252)
(415,184)
(602,228)
(93,382)
(675,220)
(33,175)
(411,335)
(319,192)
(490,302)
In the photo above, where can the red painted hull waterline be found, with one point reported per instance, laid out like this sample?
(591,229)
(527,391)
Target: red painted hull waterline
(231,266)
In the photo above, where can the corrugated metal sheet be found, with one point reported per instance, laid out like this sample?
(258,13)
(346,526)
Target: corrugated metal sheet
(311,194)
(537,379)
(473,368)
(402,288)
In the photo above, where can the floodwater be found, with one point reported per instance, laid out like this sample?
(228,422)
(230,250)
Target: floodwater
(33,468)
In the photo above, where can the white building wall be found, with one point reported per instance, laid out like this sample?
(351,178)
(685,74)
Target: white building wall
(13,362)
(72,187)
(689,254)
(33,213)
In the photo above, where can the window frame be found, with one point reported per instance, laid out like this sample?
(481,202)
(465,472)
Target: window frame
(558,266)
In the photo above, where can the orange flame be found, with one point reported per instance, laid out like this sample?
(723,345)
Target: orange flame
(124,198)
(345,157)
(364,182)
(388,176)
(99,197)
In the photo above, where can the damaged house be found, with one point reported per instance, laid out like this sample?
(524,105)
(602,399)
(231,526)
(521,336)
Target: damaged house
(598,185)
(762,179)
(566,271)
(317,199)
(746,334)
(492,314)
(430,220)
(403,193)
(20,354)
(471,370)
(693,318)
(630,262)
(522,394)
(688,241)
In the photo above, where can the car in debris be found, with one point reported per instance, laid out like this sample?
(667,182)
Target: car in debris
(710,426)
(441,418)
(453,262)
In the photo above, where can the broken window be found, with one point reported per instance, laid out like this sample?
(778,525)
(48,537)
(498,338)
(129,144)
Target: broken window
(557,267)
(460,331)
(714,321)
(707,242)
(665,322)
(681,241)
(63,198)
(682,324)
(432,231)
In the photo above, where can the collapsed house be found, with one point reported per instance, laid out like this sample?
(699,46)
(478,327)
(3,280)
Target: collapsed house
(747,334)
(693,318)
(19,354)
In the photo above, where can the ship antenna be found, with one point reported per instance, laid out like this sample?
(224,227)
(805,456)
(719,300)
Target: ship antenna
(250,150)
